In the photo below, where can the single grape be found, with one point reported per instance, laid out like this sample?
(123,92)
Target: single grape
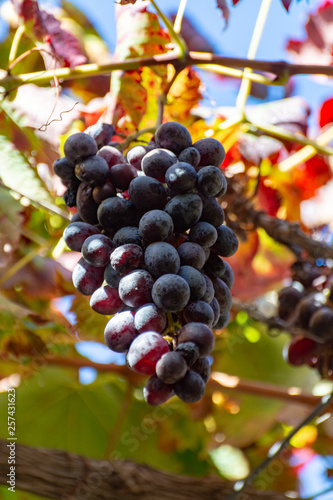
(86,206)
(101,193)
(78,146)
(111,155)
(189,351)
(228,275)
(227,243)
(203,233)
(147,193)
(156,163)
(173,136)
(288,297)
(161,258)
(171,292)
(116,212)
(199,311)
(222,322)
(122,174)
(93,170)
(156,392)
(300,350)
(101,133)
(111,276)
(222,295)
(200,334)
(128,234)
(76,233)
(195,281)
(144,352)
(87,278)
(216,311)
(190,155)
(305,309)
(76,218)
(212,211)
(210,181)
(120,331)
(64,169)
(97,249)
(191,254)
(185,210)
(156,225)
(150,317)
(191,388)
(106,300)
(134,155)
(210,292)
(321,323)
(215,266)
(181,178)
(202,367)
(171,367)
(211,152)
(135,289)
(126,258)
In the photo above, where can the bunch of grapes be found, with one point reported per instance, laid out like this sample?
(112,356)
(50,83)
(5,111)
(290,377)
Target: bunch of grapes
(152,239)
(307,305)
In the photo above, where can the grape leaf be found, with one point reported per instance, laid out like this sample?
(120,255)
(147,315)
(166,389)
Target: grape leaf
(184,95)
(286,4)
(223,7)
(326,113)
(11,220)
(44,27)
(316,48)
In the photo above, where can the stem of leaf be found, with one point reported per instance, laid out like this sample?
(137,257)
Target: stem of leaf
(179,17)
(277,448)
(245,87)
(178,40)
(15,44)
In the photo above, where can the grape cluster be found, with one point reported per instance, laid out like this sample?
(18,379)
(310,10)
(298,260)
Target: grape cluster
(307,305)
(152,239)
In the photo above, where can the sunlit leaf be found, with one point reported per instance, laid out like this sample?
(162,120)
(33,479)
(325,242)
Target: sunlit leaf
(230,462)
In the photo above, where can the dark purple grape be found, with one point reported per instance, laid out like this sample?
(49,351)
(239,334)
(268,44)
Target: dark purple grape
(227,243)
(86,206)
(195,281)
(97,249)
(321,323)
(134,155)
(64,169)
(199,311)
(101,193)
(202,367)
(210,181)
(216,310)
(111,155)
(76,233)
(191,388)
(214,266)
(190,155)
(156,225)
(212,211)
(101,133)
(161,258)
(147,193)
(210,292)
(127,234)
(300,351)
(185,210)
(171,367)
(156,392)
(111,276)
(305,309)
(78,146)
(87,278)
(228,276)
(76,218)
(189,351)
(222,295)
(120,331)
(70,196)
(150,317)
(203,233)
(93,170)
(200,334)
(126,258)
(191,254)
(288,298)
(106,300)
(144,352)
(222,322)
(173,136)
(156,163)
(135,289)
(122,174)
(211,152)
(116,212)
(171,292)
(181,178)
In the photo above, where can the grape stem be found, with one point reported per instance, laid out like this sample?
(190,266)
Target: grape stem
(277,449)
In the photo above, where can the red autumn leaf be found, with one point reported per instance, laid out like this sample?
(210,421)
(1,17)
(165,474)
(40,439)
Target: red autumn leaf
(45,27)
(235,2)
(317,47)
(223,7)
(326,113)
(311,175)
(286,4)
(269,199)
